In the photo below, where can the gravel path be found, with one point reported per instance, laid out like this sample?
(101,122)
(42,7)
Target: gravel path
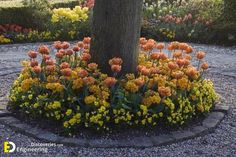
(220,143)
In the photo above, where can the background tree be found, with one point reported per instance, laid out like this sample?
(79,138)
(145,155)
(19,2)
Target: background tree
(116,32)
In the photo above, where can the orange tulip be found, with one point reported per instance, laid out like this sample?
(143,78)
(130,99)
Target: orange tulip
(80,44)
(189,50)
(87,40)
(116,68)
(154,56)
(92,66)
(34,63)
(64,65)
(66,72)
(180,62)
(85,57)
(50,68)
(76,48)
(160,46)
(110,81)
(69,52)
(177,54)
(164,91)
(172,65)
(57,45)
(192,72)
(37,69)
(183,46)
(89,80)
(115,61)
(59,55)
(50,62)
(44,50)
(83,73)
(32,54)
(205,66)
(200,55)
(65,45)
(163,56)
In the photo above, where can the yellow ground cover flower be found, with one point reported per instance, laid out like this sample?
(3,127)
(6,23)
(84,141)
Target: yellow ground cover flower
(89,99)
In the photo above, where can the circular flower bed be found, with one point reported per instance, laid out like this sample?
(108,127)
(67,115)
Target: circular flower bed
(73,92)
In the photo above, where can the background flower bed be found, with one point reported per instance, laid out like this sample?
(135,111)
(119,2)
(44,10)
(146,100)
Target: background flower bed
(200,21)
(72,92)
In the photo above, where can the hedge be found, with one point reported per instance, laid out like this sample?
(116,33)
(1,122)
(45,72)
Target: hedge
(21,15)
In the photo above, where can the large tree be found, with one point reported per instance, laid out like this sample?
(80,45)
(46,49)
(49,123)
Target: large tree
(116,32)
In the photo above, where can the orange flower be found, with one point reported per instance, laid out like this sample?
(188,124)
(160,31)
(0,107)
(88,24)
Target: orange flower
(63,52)
(164,91)
(44,50)
(65,45)
(140,67)
(160,46)
(154,56)
(170,47)
(175,45)
(142,41)
(64,65)
(116,68)
(115,61)
(110,81)
(177,54)
(201,54)
(139,82)
(57,45)
(163,56)
(83,73)
(189,50)
(50,68)
(192,72)
(89,80)
(59,55)
(66,72)
(69,52)
(145,71)
(76,48)
(32,54)
(34,63)
(87,40)
(180,62)
(85,57)
(92,66)
(37,69)
(50,62)
(188,57)
(80,44)
(46,57)
(172,65)
(183,46)
(178,74)
(205,66)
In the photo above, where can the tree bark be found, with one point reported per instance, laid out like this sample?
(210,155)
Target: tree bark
(116,32)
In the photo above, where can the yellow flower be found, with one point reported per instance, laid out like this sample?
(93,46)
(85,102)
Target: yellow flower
(66,124)
(77,84)
(131,86)
(68,112)
(55,87)
(89,99)
(56,105)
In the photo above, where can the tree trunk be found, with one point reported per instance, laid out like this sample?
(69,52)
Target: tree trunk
(116,32)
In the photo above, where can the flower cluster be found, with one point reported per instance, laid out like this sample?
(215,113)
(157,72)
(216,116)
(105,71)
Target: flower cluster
(74,15)
(71,90)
